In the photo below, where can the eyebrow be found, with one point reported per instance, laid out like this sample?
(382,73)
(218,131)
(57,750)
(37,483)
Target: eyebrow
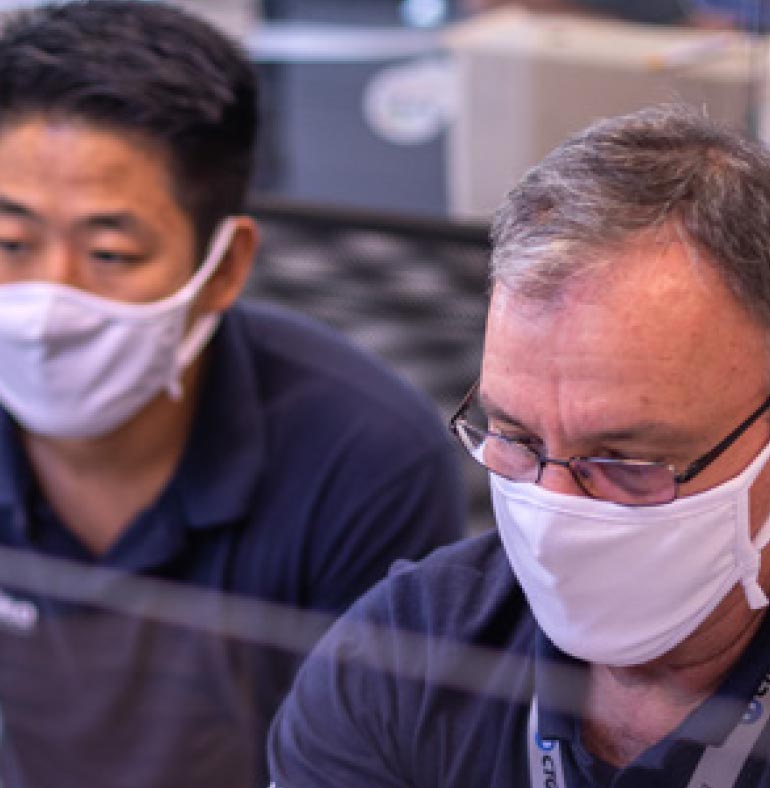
(17,209)
(493,411)
(117,220)
(122,221)
(650,429)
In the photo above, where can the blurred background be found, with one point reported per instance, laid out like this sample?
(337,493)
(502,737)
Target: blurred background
(434,107)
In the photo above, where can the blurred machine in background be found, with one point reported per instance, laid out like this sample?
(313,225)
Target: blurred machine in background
(525,82)
(432,114)
(413,107)
(355,112)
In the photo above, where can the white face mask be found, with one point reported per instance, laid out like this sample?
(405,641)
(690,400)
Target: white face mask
(75,365)
(620,585)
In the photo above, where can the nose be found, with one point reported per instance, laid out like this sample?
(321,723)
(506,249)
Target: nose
(57,264)
(557,477)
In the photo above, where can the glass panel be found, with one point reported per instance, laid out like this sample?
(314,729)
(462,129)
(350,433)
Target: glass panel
(108,679)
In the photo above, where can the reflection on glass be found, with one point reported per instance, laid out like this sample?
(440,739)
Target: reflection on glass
(114,680)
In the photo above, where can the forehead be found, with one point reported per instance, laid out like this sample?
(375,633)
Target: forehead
(66,166)
(655,333)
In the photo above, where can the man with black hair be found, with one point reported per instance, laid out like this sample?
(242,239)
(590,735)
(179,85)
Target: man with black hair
(152,424)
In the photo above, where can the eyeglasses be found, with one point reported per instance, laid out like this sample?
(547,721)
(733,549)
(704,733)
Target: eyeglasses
(625,481)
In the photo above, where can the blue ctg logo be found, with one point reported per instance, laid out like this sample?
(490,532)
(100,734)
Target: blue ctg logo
(546,745)
(753,713)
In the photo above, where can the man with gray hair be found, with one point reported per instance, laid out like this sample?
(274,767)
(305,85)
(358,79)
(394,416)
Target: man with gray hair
(622,412)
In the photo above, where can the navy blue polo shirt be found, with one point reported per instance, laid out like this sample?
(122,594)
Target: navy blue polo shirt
(309,469)
(428,681)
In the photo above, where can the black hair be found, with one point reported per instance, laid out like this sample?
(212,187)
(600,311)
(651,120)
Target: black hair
(147,69)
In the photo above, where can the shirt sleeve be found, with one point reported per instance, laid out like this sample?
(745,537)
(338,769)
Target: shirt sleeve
(417,506)
(338,728)
(390,696)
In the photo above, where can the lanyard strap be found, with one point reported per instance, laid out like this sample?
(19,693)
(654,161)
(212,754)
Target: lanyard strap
(718,767)
(545,769)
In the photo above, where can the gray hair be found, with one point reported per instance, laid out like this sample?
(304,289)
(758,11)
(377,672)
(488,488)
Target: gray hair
(661,167)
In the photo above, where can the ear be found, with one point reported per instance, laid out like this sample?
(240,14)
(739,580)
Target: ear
(232,273)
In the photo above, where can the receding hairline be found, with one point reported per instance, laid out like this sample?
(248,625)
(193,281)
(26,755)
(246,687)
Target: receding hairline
(634,173)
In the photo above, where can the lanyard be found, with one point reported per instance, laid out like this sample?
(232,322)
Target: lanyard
(718,767)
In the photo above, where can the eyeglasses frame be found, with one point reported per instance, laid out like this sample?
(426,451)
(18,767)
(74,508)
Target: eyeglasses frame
(690,472)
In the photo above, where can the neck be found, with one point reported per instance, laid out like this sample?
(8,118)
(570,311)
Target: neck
(627,710)
(98,485)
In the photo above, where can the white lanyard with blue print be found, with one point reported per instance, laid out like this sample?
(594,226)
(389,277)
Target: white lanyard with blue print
(718,767)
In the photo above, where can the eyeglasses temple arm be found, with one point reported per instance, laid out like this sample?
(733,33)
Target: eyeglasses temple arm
(463,406)
(702,462)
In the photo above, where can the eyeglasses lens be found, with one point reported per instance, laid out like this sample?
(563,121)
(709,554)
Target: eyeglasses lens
(629,482)
(505,458)
(625,481)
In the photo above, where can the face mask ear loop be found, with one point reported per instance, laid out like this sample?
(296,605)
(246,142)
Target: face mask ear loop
(755,594)
(756,597)
(220,243)
(205,326)
(196,339)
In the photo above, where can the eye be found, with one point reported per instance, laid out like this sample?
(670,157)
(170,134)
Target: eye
(13,246)
(115,257)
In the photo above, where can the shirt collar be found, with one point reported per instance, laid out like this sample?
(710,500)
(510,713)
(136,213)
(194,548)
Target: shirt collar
(560,685)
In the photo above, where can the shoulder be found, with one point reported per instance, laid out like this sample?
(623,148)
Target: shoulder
(465,592)
(361,470)
(298,356)
(412,685)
